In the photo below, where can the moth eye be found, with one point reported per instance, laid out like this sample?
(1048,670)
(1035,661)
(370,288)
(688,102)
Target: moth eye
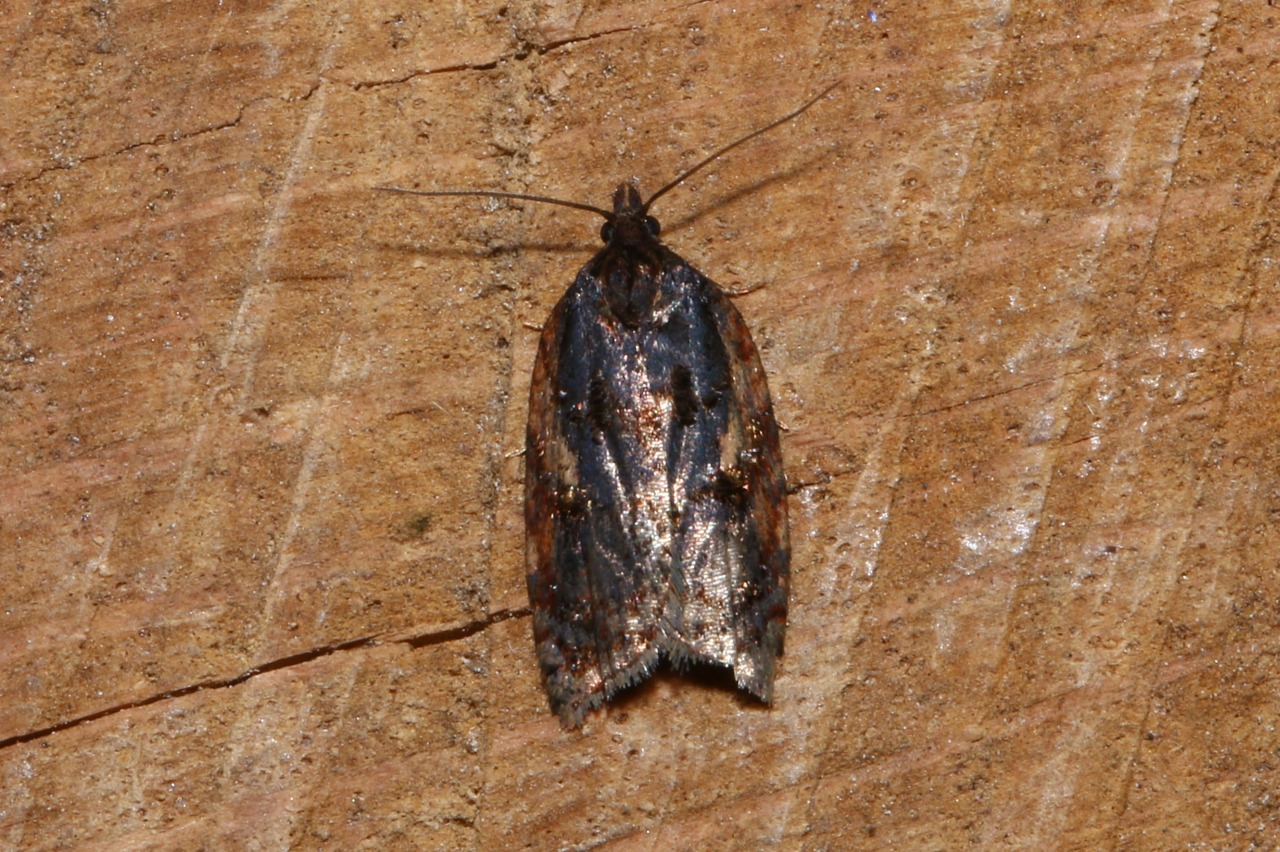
(606,232)
(651,225)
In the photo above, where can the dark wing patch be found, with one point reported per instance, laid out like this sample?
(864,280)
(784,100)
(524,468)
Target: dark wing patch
(682,396)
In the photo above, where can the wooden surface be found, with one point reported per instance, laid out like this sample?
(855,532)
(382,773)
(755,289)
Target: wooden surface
(261,541)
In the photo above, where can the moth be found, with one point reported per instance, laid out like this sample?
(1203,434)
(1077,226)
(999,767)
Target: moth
(655,501)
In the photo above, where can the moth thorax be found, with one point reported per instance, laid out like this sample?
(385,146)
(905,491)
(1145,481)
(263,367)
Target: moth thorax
(631,288)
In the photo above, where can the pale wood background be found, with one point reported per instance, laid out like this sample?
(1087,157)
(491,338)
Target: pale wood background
(261,543)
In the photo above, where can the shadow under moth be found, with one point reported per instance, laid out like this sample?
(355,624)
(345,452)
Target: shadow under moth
(655,501)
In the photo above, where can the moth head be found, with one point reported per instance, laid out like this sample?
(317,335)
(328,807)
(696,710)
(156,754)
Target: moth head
(630,219)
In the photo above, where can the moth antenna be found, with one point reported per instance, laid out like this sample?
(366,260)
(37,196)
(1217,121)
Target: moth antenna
(485,193)
(599,211)
(727,148)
